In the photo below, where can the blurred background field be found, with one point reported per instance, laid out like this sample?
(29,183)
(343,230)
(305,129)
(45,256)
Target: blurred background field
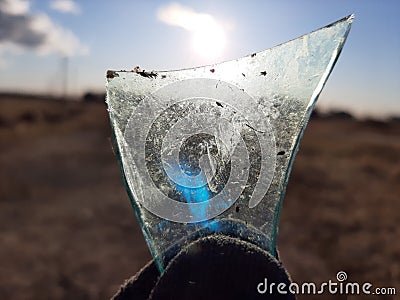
(67,230)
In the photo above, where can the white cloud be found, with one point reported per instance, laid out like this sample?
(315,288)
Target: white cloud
(14,7)
(21,30)
(175,14)
(58,39)
(65,6)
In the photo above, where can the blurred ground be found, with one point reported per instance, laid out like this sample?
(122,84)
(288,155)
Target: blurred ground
(67,230)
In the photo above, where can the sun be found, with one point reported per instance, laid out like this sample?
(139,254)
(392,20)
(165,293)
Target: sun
(207,32)
(208,38)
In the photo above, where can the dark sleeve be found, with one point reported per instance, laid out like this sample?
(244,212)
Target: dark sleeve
(214,267)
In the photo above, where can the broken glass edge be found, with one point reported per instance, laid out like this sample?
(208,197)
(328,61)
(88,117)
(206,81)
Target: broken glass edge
(307,116)
(136,209)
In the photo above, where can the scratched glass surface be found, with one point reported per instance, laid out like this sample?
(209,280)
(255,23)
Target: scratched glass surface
(209,149)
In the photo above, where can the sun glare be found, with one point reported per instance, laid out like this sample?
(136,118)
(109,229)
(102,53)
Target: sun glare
(208,35)
(209,40)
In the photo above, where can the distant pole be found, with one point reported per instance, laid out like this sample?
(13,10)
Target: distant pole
(65,77)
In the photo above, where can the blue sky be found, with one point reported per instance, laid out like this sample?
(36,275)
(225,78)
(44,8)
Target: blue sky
(100,35)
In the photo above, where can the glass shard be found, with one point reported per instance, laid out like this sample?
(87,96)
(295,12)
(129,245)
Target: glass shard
(209,149)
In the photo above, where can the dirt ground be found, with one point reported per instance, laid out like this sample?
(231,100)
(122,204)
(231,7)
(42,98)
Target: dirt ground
(67,230)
